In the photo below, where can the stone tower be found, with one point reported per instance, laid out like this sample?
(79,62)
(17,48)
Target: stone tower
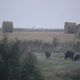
(70,27)
(7,26)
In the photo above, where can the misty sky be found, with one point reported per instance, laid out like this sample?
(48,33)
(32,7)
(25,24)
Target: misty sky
(39,13)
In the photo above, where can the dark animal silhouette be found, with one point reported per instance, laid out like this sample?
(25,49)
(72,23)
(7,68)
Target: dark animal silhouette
(47,54)
(77,57)
(69,55)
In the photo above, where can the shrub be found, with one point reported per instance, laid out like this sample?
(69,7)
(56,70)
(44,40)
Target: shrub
(11,65)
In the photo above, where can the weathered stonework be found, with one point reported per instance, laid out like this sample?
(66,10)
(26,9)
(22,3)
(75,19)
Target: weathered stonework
(71,27)
(7,26)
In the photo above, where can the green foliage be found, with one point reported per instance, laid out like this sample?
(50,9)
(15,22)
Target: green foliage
(29,70)
(76,46)
(74,74)
(9,59)
(11,67)
(75,77)
(77,35)
(55,43)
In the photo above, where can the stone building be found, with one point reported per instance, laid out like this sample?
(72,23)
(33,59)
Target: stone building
(70,27)
(7,26)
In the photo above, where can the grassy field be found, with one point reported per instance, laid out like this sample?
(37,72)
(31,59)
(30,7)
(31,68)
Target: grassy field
(44,36)
(56,68)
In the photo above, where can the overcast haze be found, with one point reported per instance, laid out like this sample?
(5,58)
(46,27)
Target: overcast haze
(39,13)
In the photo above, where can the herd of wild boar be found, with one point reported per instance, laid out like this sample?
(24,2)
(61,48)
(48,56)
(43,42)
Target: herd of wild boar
(72,56)
(68,55)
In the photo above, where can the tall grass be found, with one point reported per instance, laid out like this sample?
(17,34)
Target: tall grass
(13,66)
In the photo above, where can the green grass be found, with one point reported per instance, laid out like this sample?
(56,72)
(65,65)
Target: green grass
(56,61)
(55,64)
